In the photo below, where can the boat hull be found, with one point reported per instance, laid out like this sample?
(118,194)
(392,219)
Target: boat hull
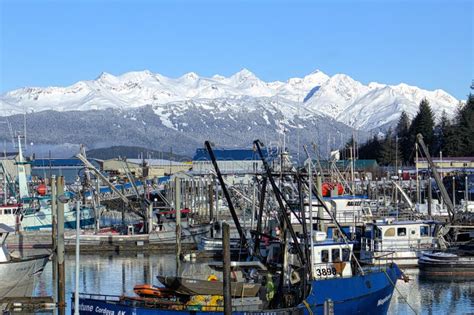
(440,264)
(203,287)
(41,220)
(17,277)
(369,294)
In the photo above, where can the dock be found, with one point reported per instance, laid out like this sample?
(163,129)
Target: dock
(41,240)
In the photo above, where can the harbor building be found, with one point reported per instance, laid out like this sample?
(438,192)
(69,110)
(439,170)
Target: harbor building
(230,161)
(71,168)
(449,165)
(148,168)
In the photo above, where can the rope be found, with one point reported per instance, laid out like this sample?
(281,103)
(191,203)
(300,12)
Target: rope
(405,298)
(308,307)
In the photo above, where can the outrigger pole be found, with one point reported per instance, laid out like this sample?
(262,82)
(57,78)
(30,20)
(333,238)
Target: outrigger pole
(331,215)
(243,239)
(283,213)
(260,215)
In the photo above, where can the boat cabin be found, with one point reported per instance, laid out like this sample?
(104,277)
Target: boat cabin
(8,214)
(331,259)
(349,209)
(393,235)
(346,209)
(4,231)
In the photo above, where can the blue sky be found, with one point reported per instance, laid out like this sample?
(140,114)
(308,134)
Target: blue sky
(423,43)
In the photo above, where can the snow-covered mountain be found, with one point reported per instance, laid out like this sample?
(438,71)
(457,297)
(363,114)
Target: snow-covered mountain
(340,97)
(184,126)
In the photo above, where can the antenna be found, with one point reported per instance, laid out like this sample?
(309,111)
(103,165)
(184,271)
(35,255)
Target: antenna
(298,132)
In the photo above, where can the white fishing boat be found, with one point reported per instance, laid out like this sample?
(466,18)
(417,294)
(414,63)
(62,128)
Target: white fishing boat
(9,214)
(17,275)
(37,215)
(397,241)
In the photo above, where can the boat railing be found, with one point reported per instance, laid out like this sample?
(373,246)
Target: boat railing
(102,297)
(350,216)
(376,245)
(172,304)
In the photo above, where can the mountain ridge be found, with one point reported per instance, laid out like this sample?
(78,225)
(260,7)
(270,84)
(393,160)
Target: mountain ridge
(338,96)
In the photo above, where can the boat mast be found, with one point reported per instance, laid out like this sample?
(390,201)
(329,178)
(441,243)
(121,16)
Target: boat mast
(242,237)
(310,198)
(283,215)
(22,182)
(417,180)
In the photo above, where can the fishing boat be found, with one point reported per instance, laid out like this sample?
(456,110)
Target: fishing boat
(189,286)
(457,262)
(397,241)
(242,285)
(446,264)
(365,293)
(10,214)
(17,274)
(335,277)
(37,214)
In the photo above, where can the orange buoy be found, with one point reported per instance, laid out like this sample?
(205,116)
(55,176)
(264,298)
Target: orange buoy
(42,189)
(326,189)
(148,290)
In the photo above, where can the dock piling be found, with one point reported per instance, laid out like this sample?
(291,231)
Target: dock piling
(60,249)
(226,271)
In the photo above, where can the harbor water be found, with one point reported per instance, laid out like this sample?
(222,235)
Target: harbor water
(116,274)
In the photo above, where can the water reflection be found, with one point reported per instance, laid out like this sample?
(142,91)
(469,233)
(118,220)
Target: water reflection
(428,296)
(116,274)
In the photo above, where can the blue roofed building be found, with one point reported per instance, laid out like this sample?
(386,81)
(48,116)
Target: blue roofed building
(69,168)
(231,161)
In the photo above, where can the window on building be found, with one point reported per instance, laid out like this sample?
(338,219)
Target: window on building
(401,231)
(324,256)
(389,232)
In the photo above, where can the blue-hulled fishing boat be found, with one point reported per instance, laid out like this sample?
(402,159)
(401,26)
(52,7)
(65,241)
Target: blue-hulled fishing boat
(369,293)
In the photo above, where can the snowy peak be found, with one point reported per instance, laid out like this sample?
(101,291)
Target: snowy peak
(243,75)
(374,105)
(338,96)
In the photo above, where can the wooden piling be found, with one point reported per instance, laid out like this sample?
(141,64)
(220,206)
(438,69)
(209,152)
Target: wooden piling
(177,206)
(60,249)
(211,207)
(226,271)
(54,235)
(430,198)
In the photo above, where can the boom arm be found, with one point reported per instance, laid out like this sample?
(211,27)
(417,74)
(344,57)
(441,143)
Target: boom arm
(444,193)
